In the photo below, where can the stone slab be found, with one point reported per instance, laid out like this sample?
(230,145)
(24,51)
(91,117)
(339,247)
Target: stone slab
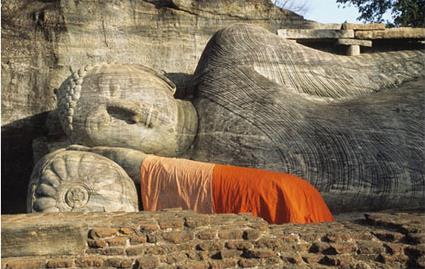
(314,33)
(393,33)
(331,26)
(38,240)
(347,41)
(362,27)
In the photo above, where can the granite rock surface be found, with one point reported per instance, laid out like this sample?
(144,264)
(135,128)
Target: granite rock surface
(42,40)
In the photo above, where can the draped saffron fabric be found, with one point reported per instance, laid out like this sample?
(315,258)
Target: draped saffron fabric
(171,183)
(274,196)
(212,188)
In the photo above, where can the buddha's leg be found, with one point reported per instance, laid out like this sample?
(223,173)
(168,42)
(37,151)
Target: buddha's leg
(364,151)
(300,69)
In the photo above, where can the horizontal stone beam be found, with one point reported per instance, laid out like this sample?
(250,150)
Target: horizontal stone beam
(347,41)
(393,33)
(329,26)
(315,33)
(362,27)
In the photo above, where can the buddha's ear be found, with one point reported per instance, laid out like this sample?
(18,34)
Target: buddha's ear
(182,84)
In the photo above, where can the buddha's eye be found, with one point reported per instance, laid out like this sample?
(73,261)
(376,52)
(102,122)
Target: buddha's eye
(130,115)
(121,113)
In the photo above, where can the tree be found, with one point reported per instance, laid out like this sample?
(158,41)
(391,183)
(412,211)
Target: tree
(296,6)
(404,12)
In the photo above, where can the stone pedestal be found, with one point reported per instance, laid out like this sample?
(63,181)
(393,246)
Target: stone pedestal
(353,50)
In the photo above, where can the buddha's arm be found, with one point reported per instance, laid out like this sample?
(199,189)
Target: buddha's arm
(129,159)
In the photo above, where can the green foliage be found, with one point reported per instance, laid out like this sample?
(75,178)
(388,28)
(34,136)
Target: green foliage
(404,12)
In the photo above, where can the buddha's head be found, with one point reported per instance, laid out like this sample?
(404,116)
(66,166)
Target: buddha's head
(128,106)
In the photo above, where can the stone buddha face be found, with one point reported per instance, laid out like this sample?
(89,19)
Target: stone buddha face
(129,106)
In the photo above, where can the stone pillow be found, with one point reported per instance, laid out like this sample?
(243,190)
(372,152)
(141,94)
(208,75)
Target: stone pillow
(80,181)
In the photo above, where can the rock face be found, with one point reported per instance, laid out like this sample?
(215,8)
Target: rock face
(183,239)
(42,39)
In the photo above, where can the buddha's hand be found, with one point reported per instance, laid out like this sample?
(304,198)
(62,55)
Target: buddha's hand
(129,159)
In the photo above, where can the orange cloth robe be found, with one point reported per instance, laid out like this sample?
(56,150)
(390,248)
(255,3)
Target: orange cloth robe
(213,188)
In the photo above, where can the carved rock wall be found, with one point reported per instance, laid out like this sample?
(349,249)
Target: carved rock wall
(183,239)
(42,39)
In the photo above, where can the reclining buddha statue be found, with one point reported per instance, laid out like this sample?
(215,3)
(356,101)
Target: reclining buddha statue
(353,127)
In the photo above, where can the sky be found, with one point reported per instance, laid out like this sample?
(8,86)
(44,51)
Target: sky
(327,11)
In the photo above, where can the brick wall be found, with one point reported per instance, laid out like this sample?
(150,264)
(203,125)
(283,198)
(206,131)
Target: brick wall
(183,239)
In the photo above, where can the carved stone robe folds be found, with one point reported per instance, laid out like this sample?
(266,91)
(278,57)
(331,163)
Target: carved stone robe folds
(352,126)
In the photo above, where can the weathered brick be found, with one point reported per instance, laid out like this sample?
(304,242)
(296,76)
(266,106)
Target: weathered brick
(270,243)
(135,251)
(127,231)
(418,250)
(148,226)
(21,263)
(388,236)
(365,235)
(102,232)
(369,247)
(137,239)
(170,223)
(272,260)
(319,247)
(177,237)
(240,245)
(246,263)
(120,262)
(89,261)
(230,253)
(194,255)
(224,263)
(112,251)
(147,262)
(336,237)
(193,265)
(391,259)
(174,257)
(394,248)
(338,260)
(312,258)
(292,247)
(230,234)
(293,258)
(155,250)
(251,234)
(96,243)
(117,241)
(416,238)
(291,238)
(60,263)
(196,221)
(151,238)
(210,245)
(259,253)
(94,251)
(312,236)
(344,247)
(208,234)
